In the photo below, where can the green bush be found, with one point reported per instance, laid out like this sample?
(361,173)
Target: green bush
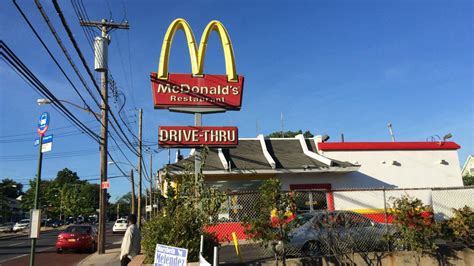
(185,212)
(461,225)
(181,228)
(415,224)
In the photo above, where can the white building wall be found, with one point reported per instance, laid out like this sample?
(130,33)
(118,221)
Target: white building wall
(402,169)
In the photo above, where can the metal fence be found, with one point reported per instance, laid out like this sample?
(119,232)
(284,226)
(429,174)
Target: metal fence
(331,222)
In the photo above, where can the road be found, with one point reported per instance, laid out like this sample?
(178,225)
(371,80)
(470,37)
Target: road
(16,251)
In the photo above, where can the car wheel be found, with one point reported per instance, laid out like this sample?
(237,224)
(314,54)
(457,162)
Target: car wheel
(312,249)
(59,250)
(93,248)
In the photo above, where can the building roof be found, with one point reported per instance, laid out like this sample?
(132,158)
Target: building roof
(383,146)
(267,155)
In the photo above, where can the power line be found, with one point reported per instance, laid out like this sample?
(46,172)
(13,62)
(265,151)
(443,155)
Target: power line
(24,72)
(84,63)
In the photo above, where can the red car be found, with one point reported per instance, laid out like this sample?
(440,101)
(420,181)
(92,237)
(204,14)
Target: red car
(79,237)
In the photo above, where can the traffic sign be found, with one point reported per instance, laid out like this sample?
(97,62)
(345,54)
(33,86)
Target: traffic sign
(43,123)
(105,185)
(47,143)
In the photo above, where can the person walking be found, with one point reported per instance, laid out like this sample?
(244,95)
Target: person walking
(131,241)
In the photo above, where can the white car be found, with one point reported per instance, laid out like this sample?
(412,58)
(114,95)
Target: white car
(22,224)
(120,226)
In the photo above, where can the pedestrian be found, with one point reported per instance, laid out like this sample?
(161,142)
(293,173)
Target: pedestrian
(131,241)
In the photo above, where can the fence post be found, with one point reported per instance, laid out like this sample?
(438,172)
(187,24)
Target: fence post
(386,218)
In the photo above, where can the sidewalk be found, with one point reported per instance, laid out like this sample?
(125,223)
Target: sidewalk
(111,257)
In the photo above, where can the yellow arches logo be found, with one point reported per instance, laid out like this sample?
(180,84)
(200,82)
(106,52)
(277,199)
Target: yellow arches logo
(197,54)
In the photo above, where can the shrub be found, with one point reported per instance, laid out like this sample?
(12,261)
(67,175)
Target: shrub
(182,228)
(272,224)
(461,225)
(415,224)
(184,214)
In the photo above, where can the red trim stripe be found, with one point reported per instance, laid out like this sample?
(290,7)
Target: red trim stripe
(375,146)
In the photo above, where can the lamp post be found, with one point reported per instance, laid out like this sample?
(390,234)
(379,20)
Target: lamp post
(44,101)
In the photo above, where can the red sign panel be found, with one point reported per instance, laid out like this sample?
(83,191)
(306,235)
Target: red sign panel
(190,136)
(185,90)
(105,185)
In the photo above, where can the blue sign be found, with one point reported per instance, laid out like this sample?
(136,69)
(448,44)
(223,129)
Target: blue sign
(46,139)
(43,123)
(172,256)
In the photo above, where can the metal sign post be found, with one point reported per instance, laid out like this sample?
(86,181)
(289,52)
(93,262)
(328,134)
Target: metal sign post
(43,125)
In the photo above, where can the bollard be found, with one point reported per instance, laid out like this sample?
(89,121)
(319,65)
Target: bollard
(215,261)
(236,244)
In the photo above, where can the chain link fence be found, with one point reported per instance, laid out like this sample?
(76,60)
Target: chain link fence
(330,222)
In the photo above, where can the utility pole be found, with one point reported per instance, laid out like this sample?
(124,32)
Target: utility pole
(133,192)
(101,65)
(151,184)
(139,215)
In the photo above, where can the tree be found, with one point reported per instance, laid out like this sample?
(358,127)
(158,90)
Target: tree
(66,195)
(468,180)
(275,218)
(66,176)
(9,190)
(289,134)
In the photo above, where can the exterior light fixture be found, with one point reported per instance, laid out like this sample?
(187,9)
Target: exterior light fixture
(447,136)
(43,101)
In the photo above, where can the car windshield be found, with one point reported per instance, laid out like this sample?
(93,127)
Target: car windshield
(78,229)
(24,221)
(121,221)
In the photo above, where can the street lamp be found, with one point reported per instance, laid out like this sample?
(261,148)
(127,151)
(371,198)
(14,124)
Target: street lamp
(114,162)
(44,101)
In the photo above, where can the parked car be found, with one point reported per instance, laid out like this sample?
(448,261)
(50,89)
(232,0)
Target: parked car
(21,225)
(78,237)
(325,232)
(6,227)
(70,220)
(53,223)
(120,226)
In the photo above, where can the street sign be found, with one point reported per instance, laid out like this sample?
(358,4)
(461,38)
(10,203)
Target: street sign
(172,256)
(47,143)
(43,123)
(189,136)
(148,208)
(105,185)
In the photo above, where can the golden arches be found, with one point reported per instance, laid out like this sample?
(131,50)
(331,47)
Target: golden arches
(197,56)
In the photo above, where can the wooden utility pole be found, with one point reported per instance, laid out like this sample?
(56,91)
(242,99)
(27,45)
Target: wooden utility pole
(151,184)
(139,213)
(133,191)
(101,65)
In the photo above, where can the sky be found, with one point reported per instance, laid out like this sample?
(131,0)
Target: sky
(330,67)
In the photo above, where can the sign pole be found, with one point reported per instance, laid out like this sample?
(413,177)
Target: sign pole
(197,156)
(38,181)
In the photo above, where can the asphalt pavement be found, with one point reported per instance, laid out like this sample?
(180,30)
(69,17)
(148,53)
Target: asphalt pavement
(16,250)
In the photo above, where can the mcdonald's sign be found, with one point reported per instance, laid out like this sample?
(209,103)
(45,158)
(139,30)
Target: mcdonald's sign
(197,92)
